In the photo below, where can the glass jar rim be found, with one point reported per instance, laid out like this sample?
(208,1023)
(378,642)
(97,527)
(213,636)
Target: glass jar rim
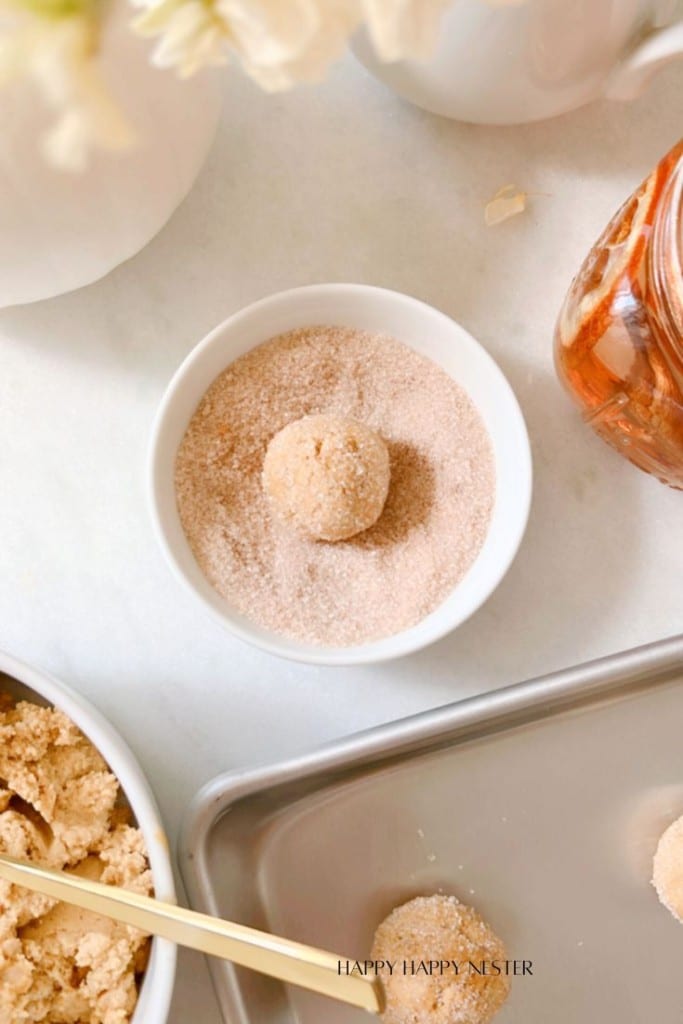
(667,243)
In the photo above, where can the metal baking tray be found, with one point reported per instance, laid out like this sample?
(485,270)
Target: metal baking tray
(539,804)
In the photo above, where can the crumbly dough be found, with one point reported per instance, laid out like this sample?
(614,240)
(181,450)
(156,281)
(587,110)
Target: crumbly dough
(59,808)
(327,476)
(439,928)
(667,869)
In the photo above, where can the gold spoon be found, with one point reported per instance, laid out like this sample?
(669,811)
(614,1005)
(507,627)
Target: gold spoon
(280,958)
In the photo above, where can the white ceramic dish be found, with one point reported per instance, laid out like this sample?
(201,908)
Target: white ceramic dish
(29,684)
(424,329)
(61,230)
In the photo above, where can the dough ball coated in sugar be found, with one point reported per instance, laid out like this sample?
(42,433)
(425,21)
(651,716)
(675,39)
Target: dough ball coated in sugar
(667,869)
(327,476)
(439,928)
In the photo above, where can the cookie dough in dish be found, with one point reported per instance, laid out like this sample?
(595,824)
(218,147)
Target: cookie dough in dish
(60,807)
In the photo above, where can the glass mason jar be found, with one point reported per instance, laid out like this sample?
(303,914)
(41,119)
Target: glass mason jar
(619,337)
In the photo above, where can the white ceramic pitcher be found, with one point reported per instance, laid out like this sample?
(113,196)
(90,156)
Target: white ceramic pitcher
(532,59)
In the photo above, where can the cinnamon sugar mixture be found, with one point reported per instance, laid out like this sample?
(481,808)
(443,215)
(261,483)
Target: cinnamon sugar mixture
(434,521)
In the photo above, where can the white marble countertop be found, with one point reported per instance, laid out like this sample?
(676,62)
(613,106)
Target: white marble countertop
(341,182)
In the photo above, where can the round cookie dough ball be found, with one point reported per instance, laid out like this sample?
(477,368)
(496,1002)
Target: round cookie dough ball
(439,928)
(667,869)
(327,476)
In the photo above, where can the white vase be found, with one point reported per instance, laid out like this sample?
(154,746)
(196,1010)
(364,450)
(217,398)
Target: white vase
(61,230)
(537,58)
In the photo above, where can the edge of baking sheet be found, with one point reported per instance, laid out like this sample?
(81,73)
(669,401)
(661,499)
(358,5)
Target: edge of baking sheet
(290,780)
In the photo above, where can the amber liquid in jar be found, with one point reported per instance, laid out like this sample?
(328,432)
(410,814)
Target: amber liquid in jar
(619,338)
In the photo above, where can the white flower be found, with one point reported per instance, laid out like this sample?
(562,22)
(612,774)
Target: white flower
(300,46)
(59,52)
(192,34)
(278,42)
(281,42)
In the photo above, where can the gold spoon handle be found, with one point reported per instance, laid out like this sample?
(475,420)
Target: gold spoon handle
(280,958)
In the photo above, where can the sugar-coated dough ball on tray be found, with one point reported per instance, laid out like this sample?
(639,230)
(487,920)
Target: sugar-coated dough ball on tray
(327,476)
(667,869)
(439,928)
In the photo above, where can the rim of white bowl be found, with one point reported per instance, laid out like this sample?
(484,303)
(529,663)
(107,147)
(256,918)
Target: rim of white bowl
(152,1008)
(163,448)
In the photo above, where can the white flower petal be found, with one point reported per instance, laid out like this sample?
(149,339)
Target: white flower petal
(507,202)
(193,36)
(338,20)
(12,59)
(209,51)
(67,144)
(155,17)
(269,32)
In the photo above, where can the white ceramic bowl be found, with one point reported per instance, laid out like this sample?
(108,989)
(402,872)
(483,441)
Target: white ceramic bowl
(26,683)
(424,329)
